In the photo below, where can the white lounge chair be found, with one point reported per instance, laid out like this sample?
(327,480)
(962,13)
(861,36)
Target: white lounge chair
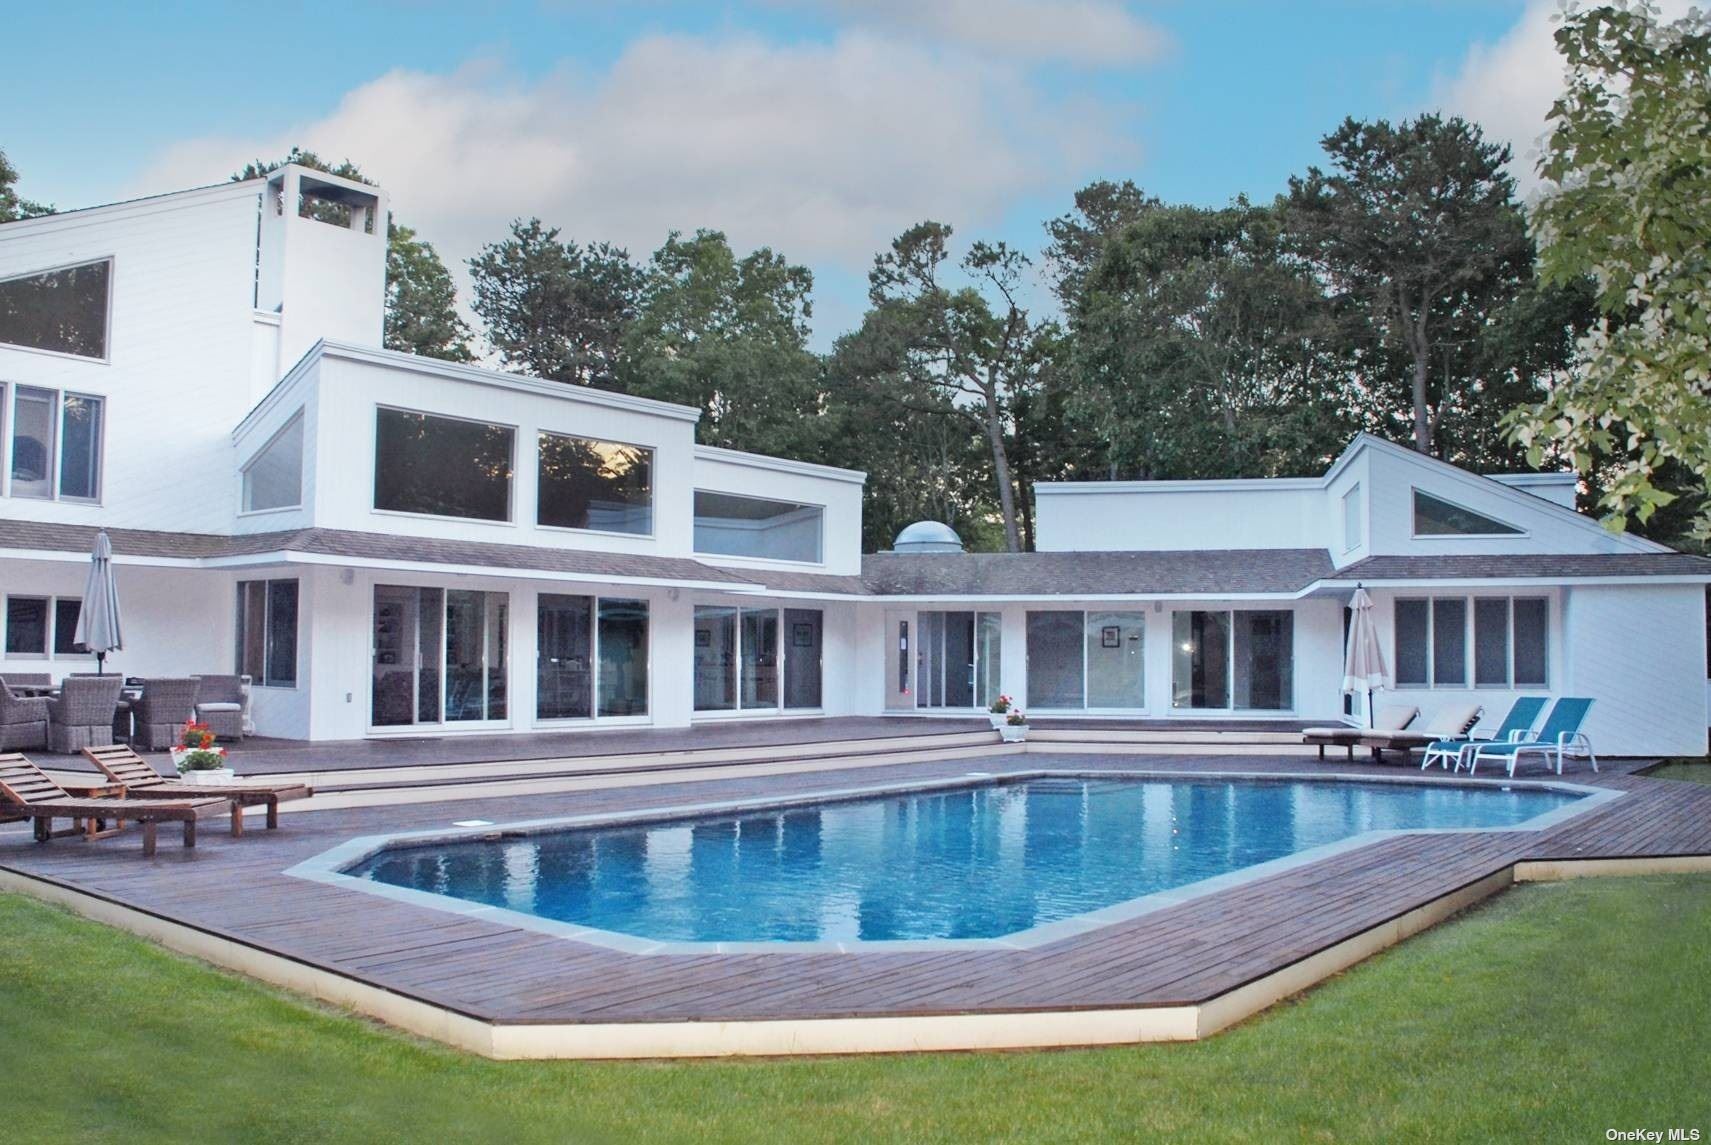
(1390,718)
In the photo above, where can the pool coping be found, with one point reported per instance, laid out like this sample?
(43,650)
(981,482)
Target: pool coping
(329,867)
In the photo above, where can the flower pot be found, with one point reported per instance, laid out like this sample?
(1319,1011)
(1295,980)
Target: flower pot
(208,777)
(997,718)
(1013,733)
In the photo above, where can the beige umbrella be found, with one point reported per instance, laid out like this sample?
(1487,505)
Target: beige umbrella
(1363,660)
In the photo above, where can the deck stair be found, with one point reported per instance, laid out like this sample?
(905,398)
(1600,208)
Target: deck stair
(387,782)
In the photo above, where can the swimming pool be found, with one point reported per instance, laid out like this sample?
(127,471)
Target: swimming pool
(975,862)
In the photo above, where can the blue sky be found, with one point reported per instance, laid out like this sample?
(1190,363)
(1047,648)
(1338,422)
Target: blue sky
(819,127)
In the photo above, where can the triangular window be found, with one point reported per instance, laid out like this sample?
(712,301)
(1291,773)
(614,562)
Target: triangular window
(62,310)
(1435,517)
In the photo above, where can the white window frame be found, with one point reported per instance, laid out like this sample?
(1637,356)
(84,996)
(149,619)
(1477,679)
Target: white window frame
(259,680)
(107,327)
(653,487)
(1414,521)
(820,539)
(1354,519)
(1085,644)
(594,691)
(737,650)
(510,518)
(1471,631)
(1230,666)
(50,630)
(9,418)
(244,472)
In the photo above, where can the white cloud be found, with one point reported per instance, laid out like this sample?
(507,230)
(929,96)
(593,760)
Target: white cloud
(1507,86)
(1097,32)
(822,151)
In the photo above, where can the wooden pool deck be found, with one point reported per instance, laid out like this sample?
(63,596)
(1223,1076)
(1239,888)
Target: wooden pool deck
(1187,954)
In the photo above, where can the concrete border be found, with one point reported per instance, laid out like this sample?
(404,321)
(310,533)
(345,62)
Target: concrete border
(331,867)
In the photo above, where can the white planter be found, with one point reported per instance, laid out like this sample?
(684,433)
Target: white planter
(1013,733)
(997,718)
(211,777)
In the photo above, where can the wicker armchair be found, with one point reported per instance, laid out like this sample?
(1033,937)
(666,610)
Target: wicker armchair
(220,705)
(167,703)
(23,723)
(27,679)
(82,715)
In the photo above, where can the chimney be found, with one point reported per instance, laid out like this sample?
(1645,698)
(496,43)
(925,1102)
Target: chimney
(321,261)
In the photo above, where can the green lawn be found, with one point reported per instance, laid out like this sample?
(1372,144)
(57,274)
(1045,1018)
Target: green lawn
(1692,770)
(1550,1014)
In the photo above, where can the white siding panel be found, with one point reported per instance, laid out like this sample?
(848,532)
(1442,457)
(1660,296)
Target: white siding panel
(1639,651)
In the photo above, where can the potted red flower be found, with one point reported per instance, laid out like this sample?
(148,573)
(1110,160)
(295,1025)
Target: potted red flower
(196,757)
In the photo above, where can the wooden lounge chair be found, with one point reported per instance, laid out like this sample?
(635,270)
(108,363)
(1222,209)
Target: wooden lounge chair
(27,792)
(1452,721)
(1390,718)
(119,763)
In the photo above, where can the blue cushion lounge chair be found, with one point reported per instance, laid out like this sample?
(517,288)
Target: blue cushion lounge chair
(1560,736)
(1518,724)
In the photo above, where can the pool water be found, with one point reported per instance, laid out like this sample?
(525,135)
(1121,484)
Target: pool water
(970,862)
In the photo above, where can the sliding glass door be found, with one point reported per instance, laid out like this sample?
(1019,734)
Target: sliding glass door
(591,657)
(439,656)
(1087,661)
(957,659)
(757,659)
(1233,660)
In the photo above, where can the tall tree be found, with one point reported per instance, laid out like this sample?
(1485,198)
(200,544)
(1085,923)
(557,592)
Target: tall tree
(1103,210)
(1628,205)
(1417,230)
(421,301)
(728,335)
(1204,348)
(974,347)
(11,206)
(553,308)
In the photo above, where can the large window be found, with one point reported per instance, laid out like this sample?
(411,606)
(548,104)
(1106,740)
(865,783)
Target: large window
(591,656)
(273,479)
(743,655)
(1506,638)
(588,484)
(440,656)
(37,624)
(1091,660)
(1241,660)
(54,443)
(733,526)
(267,632)
(1354,522)
(444,466)
(63,310)
(1435,517)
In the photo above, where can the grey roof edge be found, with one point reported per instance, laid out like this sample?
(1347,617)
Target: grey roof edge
(1283,573)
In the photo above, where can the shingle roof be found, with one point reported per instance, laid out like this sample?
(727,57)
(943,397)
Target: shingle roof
(1095,574)
(1521,566)
(368,546)
(1177,572)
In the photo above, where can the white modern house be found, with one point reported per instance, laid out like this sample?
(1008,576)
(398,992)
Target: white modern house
(391,545)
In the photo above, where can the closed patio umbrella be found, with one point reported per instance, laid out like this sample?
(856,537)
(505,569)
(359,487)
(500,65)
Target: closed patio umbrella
(1363,661)
(98,619)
